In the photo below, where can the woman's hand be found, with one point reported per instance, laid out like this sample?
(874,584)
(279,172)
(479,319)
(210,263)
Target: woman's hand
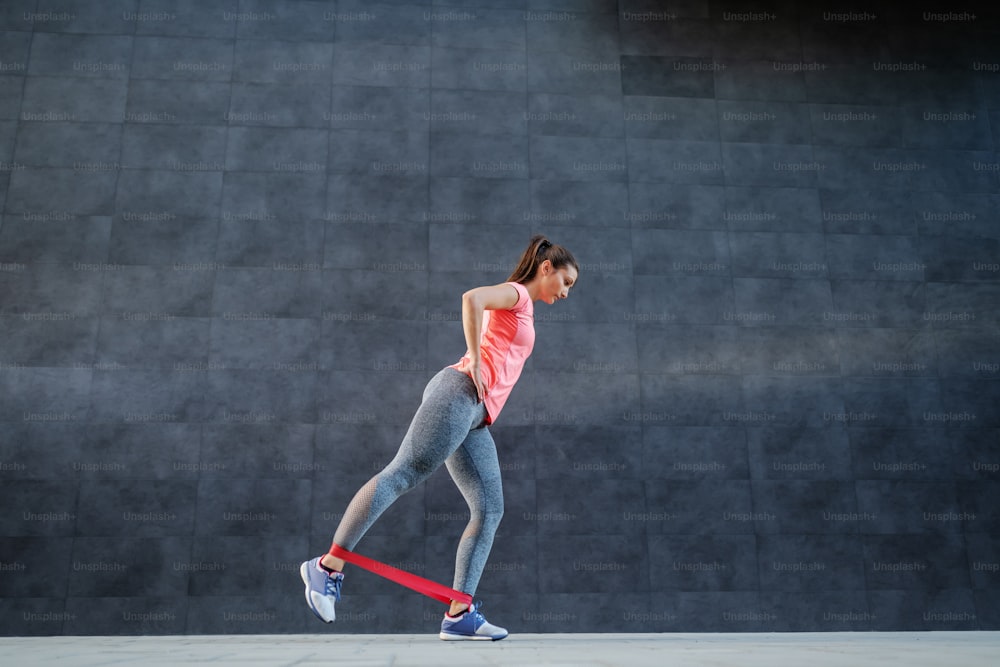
(477,380)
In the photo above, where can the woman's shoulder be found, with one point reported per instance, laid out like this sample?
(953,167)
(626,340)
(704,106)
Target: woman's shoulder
(523,298)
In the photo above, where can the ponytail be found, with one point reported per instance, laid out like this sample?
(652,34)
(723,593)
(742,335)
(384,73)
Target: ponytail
(540,249)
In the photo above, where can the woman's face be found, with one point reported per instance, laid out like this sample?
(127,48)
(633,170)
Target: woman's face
(556,283)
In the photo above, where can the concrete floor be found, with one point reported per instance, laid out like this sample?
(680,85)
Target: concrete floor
(885,649)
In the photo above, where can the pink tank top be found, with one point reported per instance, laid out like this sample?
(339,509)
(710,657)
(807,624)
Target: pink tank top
(507,339)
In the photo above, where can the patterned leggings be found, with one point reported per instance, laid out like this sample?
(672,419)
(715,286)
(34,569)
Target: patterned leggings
(449,427)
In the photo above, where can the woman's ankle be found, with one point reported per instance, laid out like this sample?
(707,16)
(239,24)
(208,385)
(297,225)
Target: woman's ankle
(332,563)
(457,609)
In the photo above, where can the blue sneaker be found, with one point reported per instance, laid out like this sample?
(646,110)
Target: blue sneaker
(322,589)
(470,625)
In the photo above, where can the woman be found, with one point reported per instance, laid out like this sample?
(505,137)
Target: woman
(450,427)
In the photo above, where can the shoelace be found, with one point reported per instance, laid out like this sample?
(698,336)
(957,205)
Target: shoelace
(332,586)
(477,616)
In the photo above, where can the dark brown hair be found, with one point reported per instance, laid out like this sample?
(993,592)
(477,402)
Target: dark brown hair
(540,249)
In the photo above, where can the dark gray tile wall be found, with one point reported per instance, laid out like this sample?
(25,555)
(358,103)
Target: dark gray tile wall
(232,244)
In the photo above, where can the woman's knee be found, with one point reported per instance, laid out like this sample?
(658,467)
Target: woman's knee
(399,480)
(489,519)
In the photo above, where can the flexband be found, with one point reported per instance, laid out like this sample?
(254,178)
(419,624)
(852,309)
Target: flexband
(429,588)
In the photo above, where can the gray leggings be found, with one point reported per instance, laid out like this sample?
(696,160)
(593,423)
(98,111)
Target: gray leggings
(449,427)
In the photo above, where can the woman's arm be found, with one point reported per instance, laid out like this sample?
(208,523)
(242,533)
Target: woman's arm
(474,302)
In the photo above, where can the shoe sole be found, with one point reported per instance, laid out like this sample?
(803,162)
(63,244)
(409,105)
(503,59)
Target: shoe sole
(304,573)
(448,637)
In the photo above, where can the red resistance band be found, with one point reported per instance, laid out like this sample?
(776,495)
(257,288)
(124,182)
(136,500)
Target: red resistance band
(429,588)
